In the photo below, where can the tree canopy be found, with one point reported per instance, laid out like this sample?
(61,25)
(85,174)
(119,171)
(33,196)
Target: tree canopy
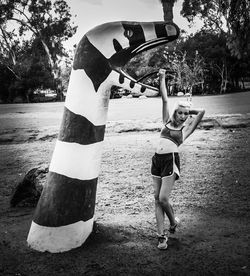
(231,17)
(43,22)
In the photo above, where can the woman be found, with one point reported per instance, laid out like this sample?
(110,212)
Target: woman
(165,163)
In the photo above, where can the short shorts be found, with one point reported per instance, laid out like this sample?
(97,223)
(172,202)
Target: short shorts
(165,165)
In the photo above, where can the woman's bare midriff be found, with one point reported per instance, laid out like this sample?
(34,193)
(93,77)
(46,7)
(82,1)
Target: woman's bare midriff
(166,146)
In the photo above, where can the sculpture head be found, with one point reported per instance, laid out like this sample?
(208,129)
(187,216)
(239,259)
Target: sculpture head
(110,46)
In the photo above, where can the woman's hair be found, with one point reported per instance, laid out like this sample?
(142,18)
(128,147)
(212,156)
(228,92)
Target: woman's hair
(184,104)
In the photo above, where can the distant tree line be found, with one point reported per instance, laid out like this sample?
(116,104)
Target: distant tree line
(197,64)
(212,61)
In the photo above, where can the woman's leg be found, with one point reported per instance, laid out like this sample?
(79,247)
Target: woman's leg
(166,188)
(159,212)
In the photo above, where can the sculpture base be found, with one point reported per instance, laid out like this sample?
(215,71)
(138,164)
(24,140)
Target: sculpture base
(59,239)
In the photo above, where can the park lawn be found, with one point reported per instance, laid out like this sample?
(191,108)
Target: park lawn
(211,198)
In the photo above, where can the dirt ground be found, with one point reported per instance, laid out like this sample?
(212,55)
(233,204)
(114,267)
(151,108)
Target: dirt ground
(211,198)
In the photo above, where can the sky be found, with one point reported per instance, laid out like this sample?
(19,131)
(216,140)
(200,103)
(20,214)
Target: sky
(90,13)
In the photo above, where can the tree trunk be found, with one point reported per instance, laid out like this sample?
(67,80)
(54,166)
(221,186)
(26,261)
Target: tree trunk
(243,83)
(168,10)
(55,70)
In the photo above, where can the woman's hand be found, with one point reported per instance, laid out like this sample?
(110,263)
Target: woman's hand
(162,84)
(162,72)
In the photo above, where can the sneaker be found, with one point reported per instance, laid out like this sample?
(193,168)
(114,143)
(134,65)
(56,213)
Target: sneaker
(162,242)
(172,229)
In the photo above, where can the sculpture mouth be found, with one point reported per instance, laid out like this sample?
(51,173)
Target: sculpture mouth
(149,45)
(126,75)
(121,59)
(140,80)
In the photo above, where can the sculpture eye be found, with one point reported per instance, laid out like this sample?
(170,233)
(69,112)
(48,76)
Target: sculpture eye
(170,30)
(128,33)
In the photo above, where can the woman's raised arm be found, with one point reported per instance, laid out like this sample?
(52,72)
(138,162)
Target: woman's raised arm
(189,129)
(164,96)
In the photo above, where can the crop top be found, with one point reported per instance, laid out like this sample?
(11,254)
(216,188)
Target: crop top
(175,135)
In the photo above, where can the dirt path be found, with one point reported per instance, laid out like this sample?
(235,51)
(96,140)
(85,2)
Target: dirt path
(211,198)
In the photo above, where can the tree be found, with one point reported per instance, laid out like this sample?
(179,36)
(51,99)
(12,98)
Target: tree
(48,22)
(185,72)
(239,18)
(31,70)
(223,71)
(9,46)
(232,17)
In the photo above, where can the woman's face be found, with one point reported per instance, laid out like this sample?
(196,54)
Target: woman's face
(181,115)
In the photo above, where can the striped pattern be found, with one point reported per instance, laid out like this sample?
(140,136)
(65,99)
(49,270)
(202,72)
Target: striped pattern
(92,61)
(93,106)
(71,129)
(65,212)
(76,161)
(59,239)
(79,197)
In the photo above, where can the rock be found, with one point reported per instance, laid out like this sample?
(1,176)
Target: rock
(28,191)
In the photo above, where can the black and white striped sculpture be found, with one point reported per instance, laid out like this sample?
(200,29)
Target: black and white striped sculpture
(64,215)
